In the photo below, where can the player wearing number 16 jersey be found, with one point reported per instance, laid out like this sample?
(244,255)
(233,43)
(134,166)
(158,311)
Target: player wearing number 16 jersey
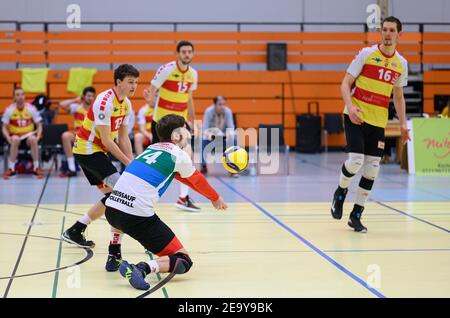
(366,90)
(106,119)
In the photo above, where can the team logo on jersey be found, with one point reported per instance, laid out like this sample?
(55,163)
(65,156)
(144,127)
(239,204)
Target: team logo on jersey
(176,75)
(116,109)
(394,64)
(377,59)
(188,77)
(101,116)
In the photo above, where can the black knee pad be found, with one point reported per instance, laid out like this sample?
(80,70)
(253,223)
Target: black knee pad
(184,263)
(103,200)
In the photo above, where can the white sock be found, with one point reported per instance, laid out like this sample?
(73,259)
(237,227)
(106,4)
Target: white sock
(116,237)
(361,196)
(35,164)
(71,163)
(11,165)
(184,190)
(154,267)
(85,219)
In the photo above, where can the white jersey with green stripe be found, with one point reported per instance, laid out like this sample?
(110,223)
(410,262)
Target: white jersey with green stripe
(147,177)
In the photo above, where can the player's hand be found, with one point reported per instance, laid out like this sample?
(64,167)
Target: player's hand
(354,114)
(219,204)
(147,95)
(405,135)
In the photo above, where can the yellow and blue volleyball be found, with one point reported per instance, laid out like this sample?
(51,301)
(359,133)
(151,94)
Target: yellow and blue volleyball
(235,159)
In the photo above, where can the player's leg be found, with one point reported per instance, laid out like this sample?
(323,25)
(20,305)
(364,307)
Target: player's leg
(156,237)
(99,171)
(374,149)
(68,139)
(355,148)
(13,151)
(139,143)
(184,201)
(32,143)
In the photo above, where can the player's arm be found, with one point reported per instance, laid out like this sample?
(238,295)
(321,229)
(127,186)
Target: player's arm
(144,131)
(400,107)
(66,103)
(191,110)
(124,142)
(346,92)
(5,131)
(110,145)
(199,183)
(150,94)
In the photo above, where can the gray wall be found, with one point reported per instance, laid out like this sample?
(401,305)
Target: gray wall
(224,10)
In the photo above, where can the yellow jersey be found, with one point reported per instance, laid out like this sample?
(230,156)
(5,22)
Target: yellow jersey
(106,110)
(145,117)
(376,75)
(174,88)
(78,112)
(21,121)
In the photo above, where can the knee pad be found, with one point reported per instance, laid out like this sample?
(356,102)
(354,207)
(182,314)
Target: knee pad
(371,167)
(103,200)
(184,263)
(353,164)
(111,180)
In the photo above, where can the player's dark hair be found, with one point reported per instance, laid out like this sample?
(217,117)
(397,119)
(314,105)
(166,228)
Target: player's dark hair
(167,125)
(88,89)
(123,71)
(184,43)
(395,20)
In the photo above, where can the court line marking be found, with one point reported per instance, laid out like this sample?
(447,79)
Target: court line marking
(58,262)
(309,244)
(411,216)
(19,258)
(164,290)
(89,255)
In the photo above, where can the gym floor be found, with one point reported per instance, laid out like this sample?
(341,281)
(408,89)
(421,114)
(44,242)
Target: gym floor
(277,239)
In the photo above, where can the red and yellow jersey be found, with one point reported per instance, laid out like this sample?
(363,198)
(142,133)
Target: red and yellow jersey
(106,110)
(145,117)
(78,112)
(174,89)
(376,75)
(21,121)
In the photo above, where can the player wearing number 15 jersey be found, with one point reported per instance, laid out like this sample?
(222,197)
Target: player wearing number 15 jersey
(366,90)
(106,119)
(171,92)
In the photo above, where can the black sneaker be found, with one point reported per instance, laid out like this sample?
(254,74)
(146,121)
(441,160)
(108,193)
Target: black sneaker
(73,236)
(355,219)
(113,263)
(338,202)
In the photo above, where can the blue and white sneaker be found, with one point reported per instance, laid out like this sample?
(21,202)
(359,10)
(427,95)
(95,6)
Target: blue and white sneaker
(135,275)
(113,263)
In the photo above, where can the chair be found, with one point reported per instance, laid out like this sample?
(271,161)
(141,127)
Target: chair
(51,140)
(332,124)
(270,147)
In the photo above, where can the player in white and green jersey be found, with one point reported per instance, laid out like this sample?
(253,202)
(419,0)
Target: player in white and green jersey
(131,205)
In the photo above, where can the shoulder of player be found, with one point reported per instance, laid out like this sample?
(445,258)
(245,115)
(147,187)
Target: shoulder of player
(31,107)
(105,99)
(168,67)
(401,58)
(366,51)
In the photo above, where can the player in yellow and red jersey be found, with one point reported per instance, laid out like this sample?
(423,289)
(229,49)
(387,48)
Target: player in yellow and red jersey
(143,137)
(366,90)
(78,108)
(171,92)
(22,125)
(107,118)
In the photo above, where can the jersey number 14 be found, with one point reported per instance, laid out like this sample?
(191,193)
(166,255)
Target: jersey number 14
(150,157)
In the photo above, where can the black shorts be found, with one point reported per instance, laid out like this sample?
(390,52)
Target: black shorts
(365,138)
(96,167)
(153,234)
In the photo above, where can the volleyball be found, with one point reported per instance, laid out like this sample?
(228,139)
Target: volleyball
(235,159)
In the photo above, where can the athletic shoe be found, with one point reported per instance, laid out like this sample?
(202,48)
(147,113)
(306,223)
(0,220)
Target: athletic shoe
(38,173)
(73,236)
(68,174)
(113,263)
(338,203)
(9,174)
(187,204)
(355,219)
(134,274)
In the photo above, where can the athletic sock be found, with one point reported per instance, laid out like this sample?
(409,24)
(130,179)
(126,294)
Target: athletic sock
(71,164)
